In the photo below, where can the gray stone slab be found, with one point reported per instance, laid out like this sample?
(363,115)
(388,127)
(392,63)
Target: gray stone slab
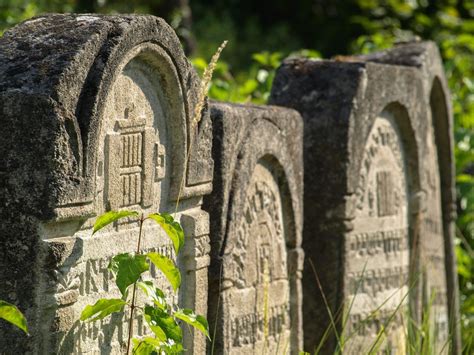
(256,223)
(96,114)
(374,226)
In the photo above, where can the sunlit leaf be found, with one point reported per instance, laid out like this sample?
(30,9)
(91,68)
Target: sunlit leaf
(171,227)
(127,269)
(110,217)
(146,346)
(154,293)
(13,315)
(197,321)
(171,347)
(102,308)
(162,324)
(168,268)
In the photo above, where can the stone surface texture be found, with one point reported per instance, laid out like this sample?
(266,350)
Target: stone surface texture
(256,224)
(379,180)
(96,115)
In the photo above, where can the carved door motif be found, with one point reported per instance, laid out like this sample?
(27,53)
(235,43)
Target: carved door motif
(135,157)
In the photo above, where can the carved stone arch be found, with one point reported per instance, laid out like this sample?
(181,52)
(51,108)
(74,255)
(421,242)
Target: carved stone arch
(146,74)
(165,78)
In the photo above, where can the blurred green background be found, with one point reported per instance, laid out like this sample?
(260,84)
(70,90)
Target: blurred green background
(262,33)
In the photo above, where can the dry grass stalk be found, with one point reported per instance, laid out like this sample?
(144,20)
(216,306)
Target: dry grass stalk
(205,81)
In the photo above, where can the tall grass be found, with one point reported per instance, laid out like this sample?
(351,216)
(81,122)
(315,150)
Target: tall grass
(418,337)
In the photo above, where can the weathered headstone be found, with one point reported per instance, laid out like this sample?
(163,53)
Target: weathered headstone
(256,216)
(373,226)
(96,115)
(438,221)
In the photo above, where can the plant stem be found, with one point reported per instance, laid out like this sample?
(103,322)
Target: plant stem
(132,306)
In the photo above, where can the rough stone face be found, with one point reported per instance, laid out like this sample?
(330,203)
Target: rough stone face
(256,215)
(96,115)
(378,221)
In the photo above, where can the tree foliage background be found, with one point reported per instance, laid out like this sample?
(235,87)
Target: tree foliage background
(261,33)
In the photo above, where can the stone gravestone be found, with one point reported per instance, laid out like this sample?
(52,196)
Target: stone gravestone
(373,219)
(256,216)
(96,115)
(438,221)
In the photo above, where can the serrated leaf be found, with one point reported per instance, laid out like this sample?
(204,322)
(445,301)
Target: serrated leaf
(102,308)
(195,320)
(110,217)
(154,293)
(167,267)
(128,269)
(163,325)
(171,227)
(11,314)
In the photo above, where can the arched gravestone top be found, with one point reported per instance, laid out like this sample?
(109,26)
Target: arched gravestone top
(96,114)
(256,210)
(342,102)
(61,67)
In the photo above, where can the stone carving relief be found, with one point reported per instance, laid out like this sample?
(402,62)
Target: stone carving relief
(131,174)
(377,250)
(256,291)
(133,164)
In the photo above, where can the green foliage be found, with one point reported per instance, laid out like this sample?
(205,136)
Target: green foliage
(167,267)
(253,85)
(111,217)
(13,315)
(102,308)
(197,321)
(127,269)
(161,317)
(172,228)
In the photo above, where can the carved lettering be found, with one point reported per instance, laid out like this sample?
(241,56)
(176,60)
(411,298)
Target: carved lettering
(256,293)
(377,251)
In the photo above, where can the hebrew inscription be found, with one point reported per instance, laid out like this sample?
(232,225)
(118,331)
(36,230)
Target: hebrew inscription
(256,292)
(377,250)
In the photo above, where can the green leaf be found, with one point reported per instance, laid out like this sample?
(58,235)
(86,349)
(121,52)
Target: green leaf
(110,217)
(102,308)
(168,268)
(197,321)
(163,325)
(171,227)
(154,293)
(146,346)
(171,347)
(128,269)
(13,315)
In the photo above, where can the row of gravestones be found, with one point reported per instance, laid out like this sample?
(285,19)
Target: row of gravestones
(96,114)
